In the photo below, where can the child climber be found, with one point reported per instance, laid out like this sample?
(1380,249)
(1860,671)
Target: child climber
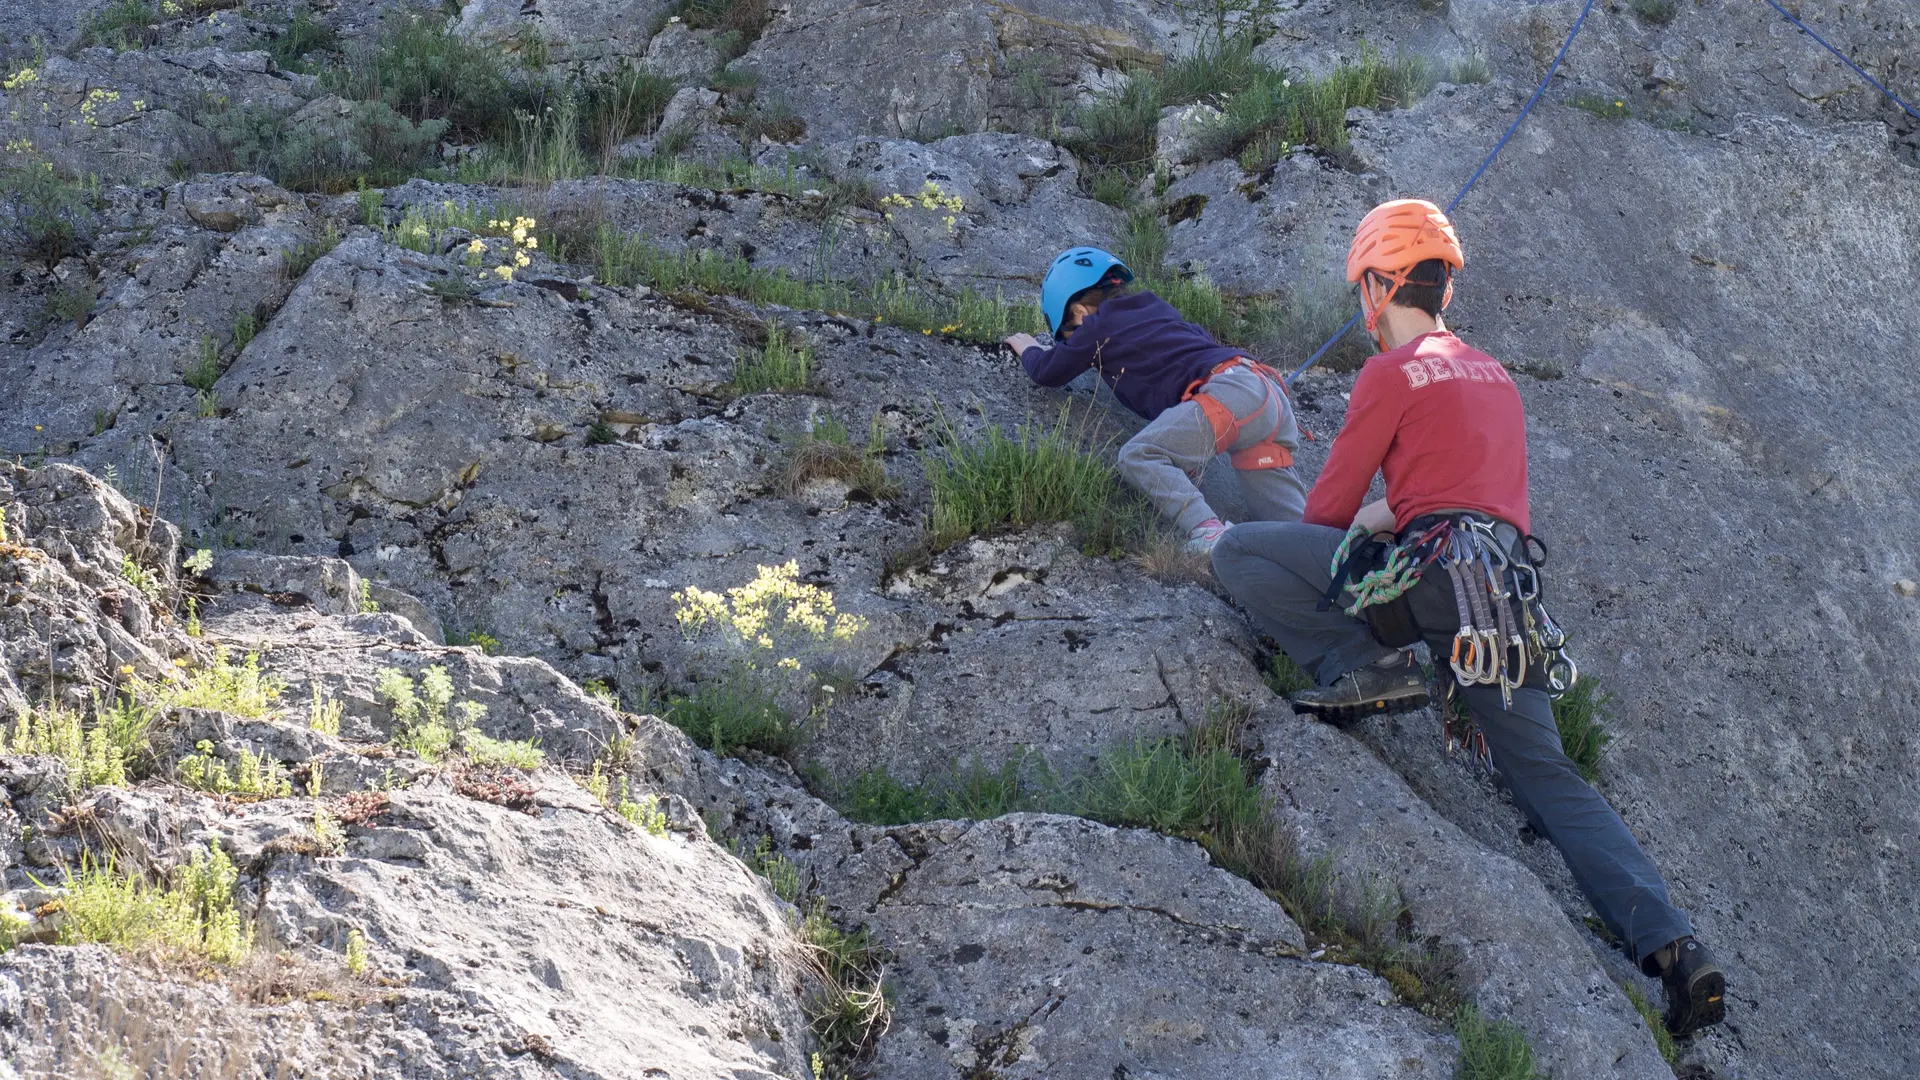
(1200,397)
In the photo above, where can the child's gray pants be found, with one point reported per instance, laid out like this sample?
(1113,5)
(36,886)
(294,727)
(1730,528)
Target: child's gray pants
(1279,571)
(1168,454)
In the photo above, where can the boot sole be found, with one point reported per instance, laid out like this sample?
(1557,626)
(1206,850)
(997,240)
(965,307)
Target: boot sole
(1705,1003)
(1342,715)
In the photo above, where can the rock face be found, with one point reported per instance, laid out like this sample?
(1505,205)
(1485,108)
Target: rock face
(1698,290)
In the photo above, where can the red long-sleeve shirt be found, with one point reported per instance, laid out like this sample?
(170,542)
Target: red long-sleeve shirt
(1443,422)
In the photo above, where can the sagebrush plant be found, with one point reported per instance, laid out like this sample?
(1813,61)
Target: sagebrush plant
(43,215)
(195,918)
(358,957)
(427,721)
(784,363)
(760,637)
(369,140)
(1037,474)
(826,451)
(249,777)
(73,301)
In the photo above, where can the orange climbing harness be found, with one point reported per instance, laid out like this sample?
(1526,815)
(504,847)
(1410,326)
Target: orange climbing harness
(1266,454)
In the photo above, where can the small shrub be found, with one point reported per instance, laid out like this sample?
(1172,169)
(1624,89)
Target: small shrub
(426,720)
(735,714)
(368,605)
(194,919)
(250,778)
(428,75)
(453,290)
(1657,12)
(602,691)
(781,874)
(783,364)
(476,639)
(303,36)
(204,371)
(745,17)
(1580,714)
(643,813)
(245,326)
(42,215)
(827,452)
(1491,1050)
(1034,476)
(73,300)
(124,26)
(357,953)
(1116,140)
(239,689)
(370,142)
(601,433)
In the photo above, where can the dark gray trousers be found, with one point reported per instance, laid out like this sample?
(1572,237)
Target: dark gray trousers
(1279,570)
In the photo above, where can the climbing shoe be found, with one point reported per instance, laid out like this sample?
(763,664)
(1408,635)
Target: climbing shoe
(1695,986)
(1204,535)
(1364,691)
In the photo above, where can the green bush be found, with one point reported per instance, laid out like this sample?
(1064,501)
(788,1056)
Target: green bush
(44,216)
(240,689)
(194,919)
(250,777)
(370,144)
(104,752)
(1286,677)
(1658,12)
(72,301)
(426,74)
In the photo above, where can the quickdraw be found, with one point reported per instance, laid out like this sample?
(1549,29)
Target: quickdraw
(1505,630)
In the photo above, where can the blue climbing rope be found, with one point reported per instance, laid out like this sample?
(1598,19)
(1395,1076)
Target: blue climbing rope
(1857,70)
(1545,81)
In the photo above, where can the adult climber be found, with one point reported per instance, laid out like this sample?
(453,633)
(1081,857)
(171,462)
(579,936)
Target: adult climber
(1447,558)
(1201,397)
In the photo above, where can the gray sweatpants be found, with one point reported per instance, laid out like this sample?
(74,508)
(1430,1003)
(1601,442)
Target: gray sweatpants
(1279,571)
(1167,455)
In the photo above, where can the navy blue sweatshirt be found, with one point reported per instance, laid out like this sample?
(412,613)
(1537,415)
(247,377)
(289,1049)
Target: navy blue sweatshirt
(1140,345)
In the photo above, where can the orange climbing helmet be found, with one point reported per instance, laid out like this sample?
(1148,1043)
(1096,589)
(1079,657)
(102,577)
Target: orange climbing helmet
(1395,237)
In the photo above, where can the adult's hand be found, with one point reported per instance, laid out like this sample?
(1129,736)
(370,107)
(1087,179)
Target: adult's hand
(1020,343)
(1377,516)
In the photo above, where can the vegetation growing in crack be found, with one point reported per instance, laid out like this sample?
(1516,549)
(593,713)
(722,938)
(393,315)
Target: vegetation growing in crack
(826,452)
(107,750)
(784,363)
(249,777)
(1033,476)
(240,689)
(764,641)
(1492,1050)
(192,918)
(623,260)
(1203,788)
(1580,716)
(428,722)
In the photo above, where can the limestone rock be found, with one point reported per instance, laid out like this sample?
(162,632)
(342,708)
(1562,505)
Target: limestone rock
(591,33)
(680,52)
(1179,128)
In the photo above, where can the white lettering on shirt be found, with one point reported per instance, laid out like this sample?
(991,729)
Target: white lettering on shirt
(1416,374)
(1426,370)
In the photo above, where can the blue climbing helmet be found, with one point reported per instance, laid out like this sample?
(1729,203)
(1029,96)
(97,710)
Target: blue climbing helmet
(1074,272)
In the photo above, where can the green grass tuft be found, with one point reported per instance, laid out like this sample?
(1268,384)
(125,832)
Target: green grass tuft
(1580,715)
(1286,677)
(1604,106)
(783,364)
(1491,1050)
(827,452)
(240,689)
(1034,476)
(103,753)
(1657,1024)
(734,714)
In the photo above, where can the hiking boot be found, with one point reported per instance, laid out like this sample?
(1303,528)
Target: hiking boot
(1367,690)
(1204,535)
(1695,986)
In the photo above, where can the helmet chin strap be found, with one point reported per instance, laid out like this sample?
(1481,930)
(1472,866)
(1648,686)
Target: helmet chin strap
(1395,279)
